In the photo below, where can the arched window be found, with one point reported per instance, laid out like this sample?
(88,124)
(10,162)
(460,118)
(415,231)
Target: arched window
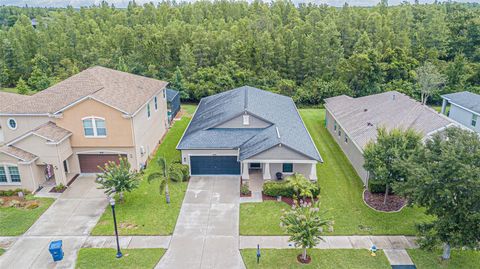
(94,127)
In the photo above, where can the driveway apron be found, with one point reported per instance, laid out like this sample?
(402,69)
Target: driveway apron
(206,233)
(70,218)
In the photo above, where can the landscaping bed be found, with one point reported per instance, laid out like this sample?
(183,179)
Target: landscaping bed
(287,200)
(145,211)
(320,258)
(90,258)
(394,203)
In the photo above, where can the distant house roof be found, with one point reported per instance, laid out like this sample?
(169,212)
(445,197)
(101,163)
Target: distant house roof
(286,127)
(468,100)
(171,94)
(360,117)
(18,153)
(123,91)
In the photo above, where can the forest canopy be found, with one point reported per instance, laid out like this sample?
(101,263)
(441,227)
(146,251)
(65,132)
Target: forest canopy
(309,52)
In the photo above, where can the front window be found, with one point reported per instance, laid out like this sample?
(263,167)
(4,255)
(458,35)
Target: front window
(287,168)
(474,120)
(339,133)
(148,111)
(94,127)
(155,100)
(9,174)
(346,138)
(12,124)
(335,125)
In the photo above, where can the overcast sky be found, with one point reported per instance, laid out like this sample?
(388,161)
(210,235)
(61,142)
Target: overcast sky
(123,3)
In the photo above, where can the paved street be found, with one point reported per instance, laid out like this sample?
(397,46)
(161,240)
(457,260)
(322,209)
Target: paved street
(206,234)
(70,218)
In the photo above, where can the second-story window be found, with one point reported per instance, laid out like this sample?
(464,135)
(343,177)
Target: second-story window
(155,100)
(148,110)
(474,120)
(94,127)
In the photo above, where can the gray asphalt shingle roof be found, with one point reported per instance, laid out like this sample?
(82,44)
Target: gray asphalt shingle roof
(276,109)
(465,99)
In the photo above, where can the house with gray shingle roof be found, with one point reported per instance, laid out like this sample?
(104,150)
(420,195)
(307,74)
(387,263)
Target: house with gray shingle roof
(353,122)
(463,107)
(79,124)
(248,130)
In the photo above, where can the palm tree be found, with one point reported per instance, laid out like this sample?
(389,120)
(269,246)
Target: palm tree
(164,175)
(302,187)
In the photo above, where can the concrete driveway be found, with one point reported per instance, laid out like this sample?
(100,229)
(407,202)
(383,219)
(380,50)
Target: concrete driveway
(70,218)
(206,234)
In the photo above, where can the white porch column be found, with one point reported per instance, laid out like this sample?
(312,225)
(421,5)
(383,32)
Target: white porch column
(245,174)
(266,171)
(313,172)
(444,106)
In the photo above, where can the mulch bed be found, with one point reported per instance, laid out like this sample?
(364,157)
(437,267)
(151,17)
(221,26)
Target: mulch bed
(55,190)
(307,261)
(287,200)
(249,194)
(375,200)
(15,201)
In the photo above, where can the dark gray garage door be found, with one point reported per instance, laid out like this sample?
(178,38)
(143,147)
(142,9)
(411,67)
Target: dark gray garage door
(214,165)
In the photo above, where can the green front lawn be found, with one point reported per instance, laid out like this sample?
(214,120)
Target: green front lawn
(105,258)
(144,211)
(189,108)
(16,221)
(341,194)
(431,260)
(321,258)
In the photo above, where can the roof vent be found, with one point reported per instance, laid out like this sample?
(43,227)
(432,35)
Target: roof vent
(365,109)
(393,97)
(278,132)
(369,124)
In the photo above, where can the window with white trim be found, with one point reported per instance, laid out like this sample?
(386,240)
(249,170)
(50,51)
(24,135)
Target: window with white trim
(94,127)
(155,100)
(474,120)
(335,125)
(9,174)
(148,111)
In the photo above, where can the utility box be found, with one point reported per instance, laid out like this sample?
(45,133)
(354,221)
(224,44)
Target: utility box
(56,250)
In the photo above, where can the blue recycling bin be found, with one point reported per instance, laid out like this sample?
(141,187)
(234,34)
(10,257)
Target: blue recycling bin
(55,249)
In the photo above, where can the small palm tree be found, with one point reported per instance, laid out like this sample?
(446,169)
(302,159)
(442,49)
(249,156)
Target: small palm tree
(304,223)
(301,185)
(164,175)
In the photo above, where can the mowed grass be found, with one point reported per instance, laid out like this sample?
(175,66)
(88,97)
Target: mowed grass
(2,251)
(145,211)
(432,260)
(97,258)
(189,108)
(341,195)
(321,258)
(16,221)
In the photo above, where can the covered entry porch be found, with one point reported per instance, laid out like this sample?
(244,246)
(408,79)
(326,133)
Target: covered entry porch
(268,169)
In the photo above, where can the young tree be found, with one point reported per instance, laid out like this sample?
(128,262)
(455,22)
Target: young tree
(164,175)
(444,178)
(118,178)
(429,81)
(384,157)
(22,87)
(302,186)
(305,223)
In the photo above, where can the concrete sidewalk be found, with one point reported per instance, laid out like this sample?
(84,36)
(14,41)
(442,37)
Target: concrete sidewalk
(127,242)
(333,242)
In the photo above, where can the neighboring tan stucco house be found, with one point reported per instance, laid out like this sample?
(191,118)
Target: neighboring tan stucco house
(464,108)
(248,130)
(353,122)
(79,124)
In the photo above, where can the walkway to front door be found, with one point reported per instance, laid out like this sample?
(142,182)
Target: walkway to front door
(206,234)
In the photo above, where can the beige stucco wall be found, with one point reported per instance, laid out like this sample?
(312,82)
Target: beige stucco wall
(237,122)
(24,125)
(186,153)
(302,168)
(353,154)
(147,132)
(31,175)
(119,129)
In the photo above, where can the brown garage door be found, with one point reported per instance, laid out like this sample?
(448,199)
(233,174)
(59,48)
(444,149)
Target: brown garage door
(89,162)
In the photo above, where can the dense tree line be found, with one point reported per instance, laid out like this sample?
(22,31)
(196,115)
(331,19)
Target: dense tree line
(309,52)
